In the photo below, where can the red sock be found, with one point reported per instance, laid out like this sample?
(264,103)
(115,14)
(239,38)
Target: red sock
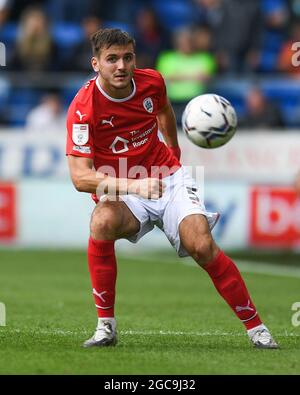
(103,272)
(230,285)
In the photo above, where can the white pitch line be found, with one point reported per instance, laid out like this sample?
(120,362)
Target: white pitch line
(57,331)
(182,333)
(268,269)
(244,265)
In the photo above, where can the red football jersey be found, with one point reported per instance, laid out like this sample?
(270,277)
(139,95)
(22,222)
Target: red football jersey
(120,134)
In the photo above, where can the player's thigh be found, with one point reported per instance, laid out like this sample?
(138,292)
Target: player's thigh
(196,238)
(113,219)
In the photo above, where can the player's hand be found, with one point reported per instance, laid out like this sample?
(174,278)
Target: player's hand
(148,188)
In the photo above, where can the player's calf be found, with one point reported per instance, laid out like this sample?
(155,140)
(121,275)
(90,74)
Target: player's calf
(197,240)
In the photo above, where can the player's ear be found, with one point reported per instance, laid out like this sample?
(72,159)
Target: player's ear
(95,65)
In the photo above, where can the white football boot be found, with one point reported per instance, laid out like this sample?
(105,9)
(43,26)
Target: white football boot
(105,334)
(262,338)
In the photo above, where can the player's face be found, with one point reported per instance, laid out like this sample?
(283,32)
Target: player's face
(115,66)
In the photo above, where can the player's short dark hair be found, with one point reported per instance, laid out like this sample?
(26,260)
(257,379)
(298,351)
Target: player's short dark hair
(105,38)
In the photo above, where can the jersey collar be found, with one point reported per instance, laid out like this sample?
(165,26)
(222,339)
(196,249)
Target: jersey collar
(112,98)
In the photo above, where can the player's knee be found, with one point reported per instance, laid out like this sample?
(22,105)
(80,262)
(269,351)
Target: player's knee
(203,250)
(104,224)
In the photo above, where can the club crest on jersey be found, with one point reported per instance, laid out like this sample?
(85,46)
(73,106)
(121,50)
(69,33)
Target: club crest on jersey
(80,133)
(148,104)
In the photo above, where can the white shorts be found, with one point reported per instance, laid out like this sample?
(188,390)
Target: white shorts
(180,199)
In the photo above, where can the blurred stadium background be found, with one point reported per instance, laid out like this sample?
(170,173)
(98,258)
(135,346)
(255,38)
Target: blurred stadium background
(239,49)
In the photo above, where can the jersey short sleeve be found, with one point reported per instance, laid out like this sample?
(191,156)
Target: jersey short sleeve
(156,80)
(79,131)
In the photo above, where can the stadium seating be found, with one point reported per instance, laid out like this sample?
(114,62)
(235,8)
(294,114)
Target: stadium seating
(20,102)
(8,35)
(16,102)
(118,25)
(284,92)
(71,87)
(175,13)
(66,34)
(271,45)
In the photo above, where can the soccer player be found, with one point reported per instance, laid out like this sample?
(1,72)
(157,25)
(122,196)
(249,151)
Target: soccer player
(137,181)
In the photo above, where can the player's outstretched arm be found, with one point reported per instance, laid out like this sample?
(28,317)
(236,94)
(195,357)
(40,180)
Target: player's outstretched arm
(83,175)
(86,179)
(167,126)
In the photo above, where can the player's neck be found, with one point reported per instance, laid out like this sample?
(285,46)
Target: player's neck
(116,93)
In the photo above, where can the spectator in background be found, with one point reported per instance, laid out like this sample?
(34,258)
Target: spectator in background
(202,38)
(286,53)
(275,14)
(208,12)
(68,10)
(4,95)
(186,71)
(238,31)
(35,49)
(4,11)
(275,17)
(260,113)
(294,9)
(115,10)
(150,36)
(82,53)
(18,7)
(49,115)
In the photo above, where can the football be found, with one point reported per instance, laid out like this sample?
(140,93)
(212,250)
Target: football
(209,121)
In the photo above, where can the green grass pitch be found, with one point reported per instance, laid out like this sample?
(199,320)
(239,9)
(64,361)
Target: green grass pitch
(170,319)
